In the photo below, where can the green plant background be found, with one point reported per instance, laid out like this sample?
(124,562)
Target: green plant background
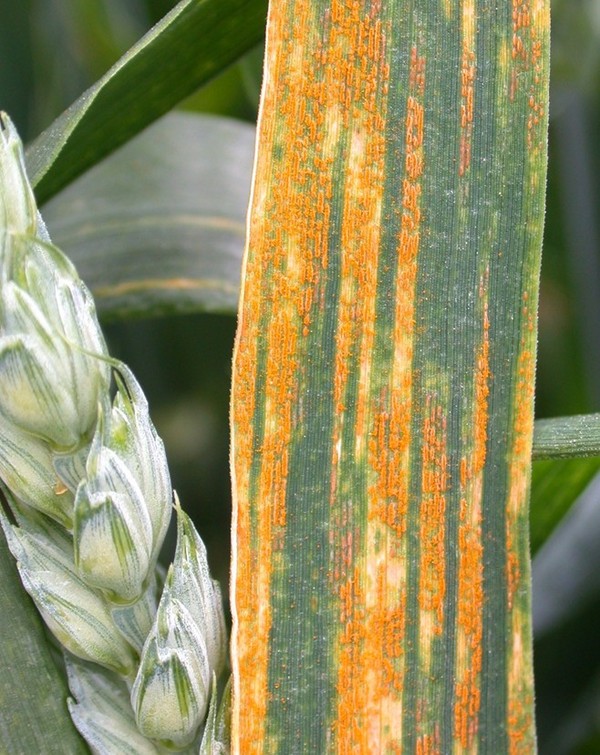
(52,50)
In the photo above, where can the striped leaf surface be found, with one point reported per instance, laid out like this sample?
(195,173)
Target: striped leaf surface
(384,378)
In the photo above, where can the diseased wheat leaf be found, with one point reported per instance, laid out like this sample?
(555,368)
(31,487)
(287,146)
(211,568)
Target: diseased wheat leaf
(383,380)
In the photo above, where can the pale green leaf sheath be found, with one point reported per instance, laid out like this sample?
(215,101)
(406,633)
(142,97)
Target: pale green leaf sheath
(85,477)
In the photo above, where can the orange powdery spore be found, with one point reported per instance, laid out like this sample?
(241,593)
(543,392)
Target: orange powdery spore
(357,76)
(363,200)
(253,608)
(530,24)
(429,744)
(250,554)
(537,120)
(519,469)
(432,517)
(521,23)
(432,568)
(390,433)
(387,505)
(467,93)
(350,734)
(469,622)
(520,724)
(301,182)
(284,264)
(378,666)
(357,73)
(367,719)
(469,615)
(530,30)
(280,394)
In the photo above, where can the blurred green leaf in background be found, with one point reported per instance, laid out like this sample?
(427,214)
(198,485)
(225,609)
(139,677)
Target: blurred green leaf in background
(567,663)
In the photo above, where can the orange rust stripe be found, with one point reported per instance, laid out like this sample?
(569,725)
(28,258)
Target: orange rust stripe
(432,573)
(356,39)
(432,569)
(265,264)
(469,616)
(467,85)
(530,20)
(520,690)
(390,415)
(325,118)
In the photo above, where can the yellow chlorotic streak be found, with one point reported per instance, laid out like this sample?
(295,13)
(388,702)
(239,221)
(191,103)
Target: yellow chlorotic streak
(449,8)
(520,691)
(530,20)
(389,421)
(469,617)
(356,58)
(467,85)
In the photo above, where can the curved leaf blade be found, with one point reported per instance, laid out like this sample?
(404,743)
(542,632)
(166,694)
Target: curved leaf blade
(193,42)
(153,231)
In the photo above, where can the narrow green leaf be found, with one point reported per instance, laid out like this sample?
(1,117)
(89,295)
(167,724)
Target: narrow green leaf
(159,225)
(33,693)
(196,40)
(567,437)
(382,405)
